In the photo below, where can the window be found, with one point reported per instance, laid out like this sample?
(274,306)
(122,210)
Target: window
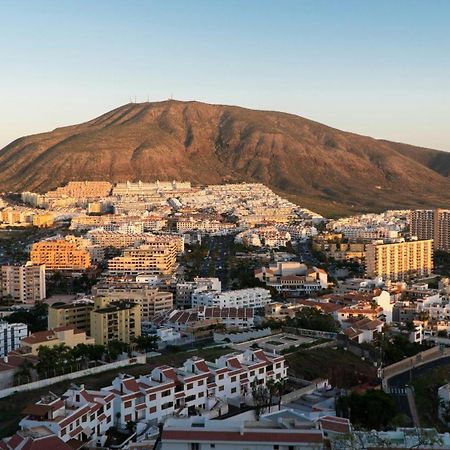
(201,382)
(189,386)
(152,410)
(152,397)
(233,390)
(201,394)
(63,432)
(165,394)
(261,370)
(233,379)
(127,404)
(195,446)
(221,388)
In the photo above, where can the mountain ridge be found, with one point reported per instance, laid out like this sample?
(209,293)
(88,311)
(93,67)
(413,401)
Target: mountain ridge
(312,163)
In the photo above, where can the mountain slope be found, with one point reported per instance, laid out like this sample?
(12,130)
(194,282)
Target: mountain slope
(319,166)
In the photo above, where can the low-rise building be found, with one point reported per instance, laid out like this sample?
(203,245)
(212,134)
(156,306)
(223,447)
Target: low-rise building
(69,336)
(241,298)
(199,433)
(78,415)
(185,289)
(293,278)
(10,336)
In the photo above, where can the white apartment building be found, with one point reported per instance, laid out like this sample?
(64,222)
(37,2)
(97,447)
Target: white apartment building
(79,414)
(241,298)
(184,290)
(10,336)
(197,387)
(198,433)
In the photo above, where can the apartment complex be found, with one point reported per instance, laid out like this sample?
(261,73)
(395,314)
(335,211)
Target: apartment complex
(185,289)
(10,336)
(77,415)
(60,255)
(23,284)
(77,314)
(400,260)
(151,300)
(118,239)
(197,386)
(115,321)
(153,258)
(432,224)
(241,298)
(104,319)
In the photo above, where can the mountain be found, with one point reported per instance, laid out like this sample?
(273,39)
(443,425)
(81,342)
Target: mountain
(325,169)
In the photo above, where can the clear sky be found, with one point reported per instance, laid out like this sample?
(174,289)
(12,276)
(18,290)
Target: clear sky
(380,68)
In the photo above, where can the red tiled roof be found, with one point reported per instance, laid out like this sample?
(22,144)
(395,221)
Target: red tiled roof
(131,385)
(236,436)
(336,424)
(234,362)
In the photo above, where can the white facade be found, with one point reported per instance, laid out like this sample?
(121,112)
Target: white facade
(196,387)
(196,433)
(248,298)
(10,336)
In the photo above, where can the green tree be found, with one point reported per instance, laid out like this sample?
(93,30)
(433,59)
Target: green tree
(373,410)
(313,319)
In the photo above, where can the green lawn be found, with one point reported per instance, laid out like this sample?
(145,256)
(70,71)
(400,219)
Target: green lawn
(11,407)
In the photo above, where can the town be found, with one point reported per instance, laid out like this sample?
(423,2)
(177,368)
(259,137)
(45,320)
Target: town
(142,315)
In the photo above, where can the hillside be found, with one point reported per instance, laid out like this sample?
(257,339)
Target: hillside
(320,167)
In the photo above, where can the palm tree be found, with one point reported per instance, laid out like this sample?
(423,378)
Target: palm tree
(280,386)
(24,371)
(272,387)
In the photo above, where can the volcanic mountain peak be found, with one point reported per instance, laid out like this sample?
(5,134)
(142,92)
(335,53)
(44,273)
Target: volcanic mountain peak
(320,167)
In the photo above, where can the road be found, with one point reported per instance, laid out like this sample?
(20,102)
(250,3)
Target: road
(305,254)
(399,385)
(217,258)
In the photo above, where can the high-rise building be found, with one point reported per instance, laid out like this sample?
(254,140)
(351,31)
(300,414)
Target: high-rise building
(23,284)
(115,321)
(432,224)
(77,314)
(105,319)
(399,260)
(60,255)
(151,300)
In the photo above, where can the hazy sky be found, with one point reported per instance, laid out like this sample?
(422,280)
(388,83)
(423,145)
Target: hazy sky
(380,68)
